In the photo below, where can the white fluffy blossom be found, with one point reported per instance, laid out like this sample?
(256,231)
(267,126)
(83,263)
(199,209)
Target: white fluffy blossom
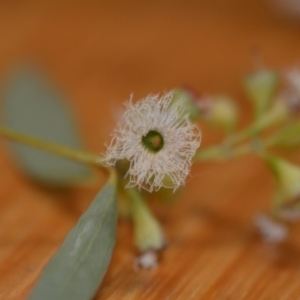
(177,136)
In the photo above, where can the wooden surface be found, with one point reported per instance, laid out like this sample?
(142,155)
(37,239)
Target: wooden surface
(99,52)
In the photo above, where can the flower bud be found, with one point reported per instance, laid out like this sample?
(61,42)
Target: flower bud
(260,87)
(222,112)
(287,197)
(186,98)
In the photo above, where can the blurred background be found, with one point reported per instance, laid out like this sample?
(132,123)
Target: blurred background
(99,53)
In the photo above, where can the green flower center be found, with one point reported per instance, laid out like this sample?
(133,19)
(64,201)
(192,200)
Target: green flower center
(153,141)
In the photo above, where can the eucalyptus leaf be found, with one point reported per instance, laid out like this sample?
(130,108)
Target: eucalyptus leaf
(77,269)
(32,106)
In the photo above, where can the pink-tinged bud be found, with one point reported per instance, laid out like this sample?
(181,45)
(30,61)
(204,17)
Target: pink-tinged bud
(220,111)
(186,98)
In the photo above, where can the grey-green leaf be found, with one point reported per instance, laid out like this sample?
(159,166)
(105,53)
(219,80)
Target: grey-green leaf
(77,269)
(31,105)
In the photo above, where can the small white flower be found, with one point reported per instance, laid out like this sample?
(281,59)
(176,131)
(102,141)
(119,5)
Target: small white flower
(157,139)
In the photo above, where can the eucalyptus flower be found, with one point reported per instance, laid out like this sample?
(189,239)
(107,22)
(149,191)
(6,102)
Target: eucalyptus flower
(157,139)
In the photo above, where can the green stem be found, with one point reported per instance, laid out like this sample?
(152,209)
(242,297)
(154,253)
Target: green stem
(242,135)
(77,155)
(287,136)
(222,152)
(228,148)
(210,153)
(277,115)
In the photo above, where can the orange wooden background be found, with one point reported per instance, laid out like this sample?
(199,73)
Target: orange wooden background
(99,52)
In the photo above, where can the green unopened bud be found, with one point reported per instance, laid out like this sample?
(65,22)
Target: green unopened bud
(147,231)
(287,197)
(186,98)
(260,87)
(222,113)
